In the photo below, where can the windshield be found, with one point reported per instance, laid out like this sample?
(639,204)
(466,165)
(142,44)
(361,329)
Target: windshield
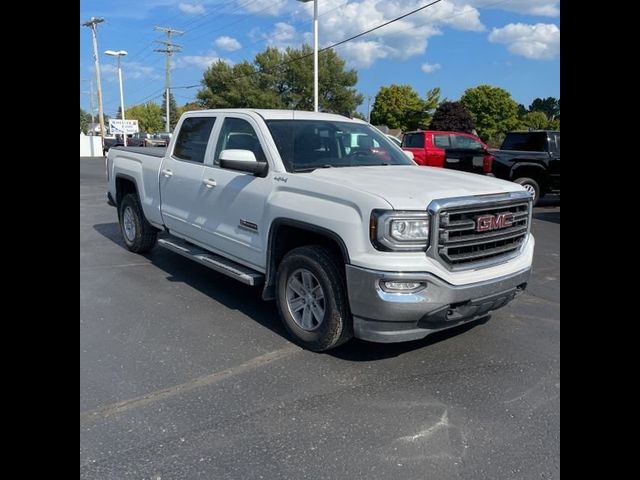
(305,145)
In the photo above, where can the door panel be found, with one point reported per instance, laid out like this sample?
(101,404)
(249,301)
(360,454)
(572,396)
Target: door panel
(179,193)
(181,187)
(231,213)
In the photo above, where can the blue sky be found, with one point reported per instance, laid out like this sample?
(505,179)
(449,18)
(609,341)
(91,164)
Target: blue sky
(454,45)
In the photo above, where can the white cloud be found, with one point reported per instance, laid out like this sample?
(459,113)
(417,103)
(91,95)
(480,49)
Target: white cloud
(400,40)
(132,70)
(192,9)
(546,8)
(265,7)
(282,36)
(200,61)
(363,53)
(227,43)
(430,67)
(539,42)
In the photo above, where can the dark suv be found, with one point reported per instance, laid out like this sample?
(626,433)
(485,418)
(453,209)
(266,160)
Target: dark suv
(531,159)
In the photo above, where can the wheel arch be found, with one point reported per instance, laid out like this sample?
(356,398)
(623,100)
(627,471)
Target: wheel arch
(531,170)
(286,234)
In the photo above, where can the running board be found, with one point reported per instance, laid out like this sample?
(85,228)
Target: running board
(215,262)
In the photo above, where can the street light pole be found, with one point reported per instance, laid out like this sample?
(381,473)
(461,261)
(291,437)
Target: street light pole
(315,52)
(119,55)
(315,55)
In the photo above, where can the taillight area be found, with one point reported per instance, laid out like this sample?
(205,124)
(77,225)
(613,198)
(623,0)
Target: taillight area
(487,163)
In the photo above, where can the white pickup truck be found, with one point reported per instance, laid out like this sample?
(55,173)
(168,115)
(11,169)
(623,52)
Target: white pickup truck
(349,240)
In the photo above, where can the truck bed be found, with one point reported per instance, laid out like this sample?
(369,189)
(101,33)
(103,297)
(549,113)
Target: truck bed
(153,151)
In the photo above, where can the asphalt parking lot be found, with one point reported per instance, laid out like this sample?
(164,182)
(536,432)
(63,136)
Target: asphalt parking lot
(185,374)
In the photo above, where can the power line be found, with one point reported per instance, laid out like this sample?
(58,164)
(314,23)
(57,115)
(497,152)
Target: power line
(341,42)
(336,44)
(379,26)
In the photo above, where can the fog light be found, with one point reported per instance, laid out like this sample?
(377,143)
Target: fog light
(401,287)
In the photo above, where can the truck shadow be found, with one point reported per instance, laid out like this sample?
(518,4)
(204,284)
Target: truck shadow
(548,209)
(247,300)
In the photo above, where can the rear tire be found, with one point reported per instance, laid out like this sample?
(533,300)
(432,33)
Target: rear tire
(138,234)
(531,186)
(312,298)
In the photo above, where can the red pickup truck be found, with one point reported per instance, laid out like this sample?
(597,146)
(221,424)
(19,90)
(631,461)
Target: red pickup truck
(455,150)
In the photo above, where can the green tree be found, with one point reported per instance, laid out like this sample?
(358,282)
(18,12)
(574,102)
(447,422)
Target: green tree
(522,111)
(279,79)
(188,107)
(149,116)
(431,104)
(85,119)
(173,116)
(400,106)
(550,106)
(493,110)
(535,121)
(452,116)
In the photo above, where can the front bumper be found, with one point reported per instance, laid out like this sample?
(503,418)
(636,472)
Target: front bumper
(381,316)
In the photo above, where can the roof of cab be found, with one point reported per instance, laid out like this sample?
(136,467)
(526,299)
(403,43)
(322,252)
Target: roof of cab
(283,114)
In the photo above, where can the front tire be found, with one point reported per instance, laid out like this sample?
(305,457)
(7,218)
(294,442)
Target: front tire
(531,186)
(139,235)
(312,298)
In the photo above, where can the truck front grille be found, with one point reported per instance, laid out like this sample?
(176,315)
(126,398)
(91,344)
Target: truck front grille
(461,245)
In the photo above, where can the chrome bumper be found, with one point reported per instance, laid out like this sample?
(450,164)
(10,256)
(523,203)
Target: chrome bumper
(381,316)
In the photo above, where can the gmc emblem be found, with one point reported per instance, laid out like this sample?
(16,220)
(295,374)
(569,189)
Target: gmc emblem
(494,222)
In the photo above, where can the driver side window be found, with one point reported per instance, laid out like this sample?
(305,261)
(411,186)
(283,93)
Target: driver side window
(238,134)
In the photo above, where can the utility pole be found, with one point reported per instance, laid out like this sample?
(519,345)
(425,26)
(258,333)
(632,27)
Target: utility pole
(92,24)
(369,109)
(91,100)
(169,50)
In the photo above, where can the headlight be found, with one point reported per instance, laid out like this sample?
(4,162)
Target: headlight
(399,230)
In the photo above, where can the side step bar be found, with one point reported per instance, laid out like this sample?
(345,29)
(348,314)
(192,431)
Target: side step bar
(213,261)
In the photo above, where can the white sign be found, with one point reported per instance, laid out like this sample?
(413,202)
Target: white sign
(115,126)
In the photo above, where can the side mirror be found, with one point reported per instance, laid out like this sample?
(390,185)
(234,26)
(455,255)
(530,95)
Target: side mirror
(244,161)
(408,154)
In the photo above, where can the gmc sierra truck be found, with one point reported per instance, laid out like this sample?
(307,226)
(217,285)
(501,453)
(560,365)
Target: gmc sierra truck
(349,241)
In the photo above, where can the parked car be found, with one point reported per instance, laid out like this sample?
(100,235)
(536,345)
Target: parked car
(359,242)
(531,159)
(395,140)
(111,141)
(454,150)
(137,139)
(165,136)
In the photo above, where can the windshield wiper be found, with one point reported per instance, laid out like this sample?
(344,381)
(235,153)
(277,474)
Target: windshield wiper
(311,169)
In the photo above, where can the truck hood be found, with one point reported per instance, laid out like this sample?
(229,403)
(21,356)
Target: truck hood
(413,187)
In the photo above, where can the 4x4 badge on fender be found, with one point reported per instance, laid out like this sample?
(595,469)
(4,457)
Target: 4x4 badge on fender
(486,223)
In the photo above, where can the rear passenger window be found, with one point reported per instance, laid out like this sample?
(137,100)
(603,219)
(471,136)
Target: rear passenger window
(193,138)
(441,141)
(462,141)
(413,140)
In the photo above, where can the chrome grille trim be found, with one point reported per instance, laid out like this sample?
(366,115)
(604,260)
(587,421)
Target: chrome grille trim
(457,245)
